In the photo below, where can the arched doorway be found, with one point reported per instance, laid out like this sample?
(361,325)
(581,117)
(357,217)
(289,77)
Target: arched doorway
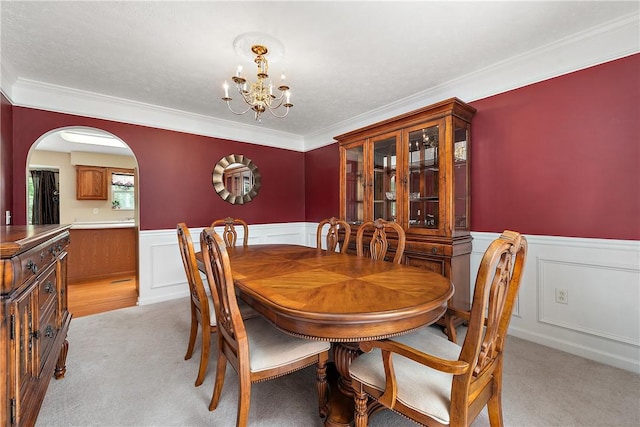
(102,265)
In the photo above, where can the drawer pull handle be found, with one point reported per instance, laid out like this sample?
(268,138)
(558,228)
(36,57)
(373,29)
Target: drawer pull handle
(32,267)
(434,250)
(49,288)
(48,332)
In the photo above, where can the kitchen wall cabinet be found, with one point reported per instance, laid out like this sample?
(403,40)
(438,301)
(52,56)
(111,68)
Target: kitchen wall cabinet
(34,316)
(414,169)
(92,183)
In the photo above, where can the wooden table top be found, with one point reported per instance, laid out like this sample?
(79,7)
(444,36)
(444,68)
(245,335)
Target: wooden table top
(336,297)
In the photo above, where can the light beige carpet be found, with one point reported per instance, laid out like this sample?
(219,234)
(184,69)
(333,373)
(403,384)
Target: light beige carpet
(127,368)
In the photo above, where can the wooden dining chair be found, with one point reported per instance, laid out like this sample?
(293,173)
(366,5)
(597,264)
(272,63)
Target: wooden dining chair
(229,234)
(434,381)
(255,348)
(202,312)
(379,244)
(335,229)
(201,303)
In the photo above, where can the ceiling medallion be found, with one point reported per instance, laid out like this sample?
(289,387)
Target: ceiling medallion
(259,95)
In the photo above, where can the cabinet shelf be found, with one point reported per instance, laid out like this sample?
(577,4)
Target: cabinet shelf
(425,199)
(423,167)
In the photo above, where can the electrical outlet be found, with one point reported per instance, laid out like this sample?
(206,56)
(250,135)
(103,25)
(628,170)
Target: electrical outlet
(562,296)
(96,211)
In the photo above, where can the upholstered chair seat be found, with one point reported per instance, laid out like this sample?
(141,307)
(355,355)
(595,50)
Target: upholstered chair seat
(421,388)
(270,348)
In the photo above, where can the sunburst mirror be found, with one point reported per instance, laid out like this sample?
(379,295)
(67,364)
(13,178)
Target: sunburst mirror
(236,179)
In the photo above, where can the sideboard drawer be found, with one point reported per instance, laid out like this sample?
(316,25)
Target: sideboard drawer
(47,288)
(31,263)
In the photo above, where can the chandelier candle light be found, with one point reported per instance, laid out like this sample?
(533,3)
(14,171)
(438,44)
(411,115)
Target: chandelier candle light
(259,95)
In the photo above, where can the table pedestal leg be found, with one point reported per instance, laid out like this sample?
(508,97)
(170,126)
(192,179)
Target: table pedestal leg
(341,403)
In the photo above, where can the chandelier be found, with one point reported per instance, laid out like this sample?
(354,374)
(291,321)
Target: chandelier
(259,95)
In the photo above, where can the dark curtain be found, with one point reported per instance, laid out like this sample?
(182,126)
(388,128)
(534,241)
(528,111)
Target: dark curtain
(46,204)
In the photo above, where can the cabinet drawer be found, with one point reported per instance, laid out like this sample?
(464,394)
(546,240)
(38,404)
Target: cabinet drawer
(31,263)
(46,335)
(436,249)
(433,264)
(429,249)
(47,289)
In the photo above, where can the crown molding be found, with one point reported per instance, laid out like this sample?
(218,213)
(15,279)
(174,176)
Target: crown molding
(34,94)
(606,42)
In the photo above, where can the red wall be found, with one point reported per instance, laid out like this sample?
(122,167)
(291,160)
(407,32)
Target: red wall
(6,156)
(175,172)
(322,182)
(561,157)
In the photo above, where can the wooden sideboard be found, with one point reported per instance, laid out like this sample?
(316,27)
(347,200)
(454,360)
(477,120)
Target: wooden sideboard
(34,317)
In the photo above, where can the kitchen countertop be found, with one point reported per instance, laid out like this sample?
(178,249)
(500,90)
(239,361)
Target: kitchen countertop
(78,225)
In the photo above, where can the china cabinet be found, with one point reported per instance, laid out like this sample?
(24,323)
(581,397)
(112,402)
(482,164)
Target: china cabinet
(34,317)
(414,169)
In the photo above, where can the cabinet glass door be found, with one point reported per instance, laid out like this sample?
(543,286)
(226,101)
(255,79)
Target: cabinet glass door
(423,177)
(354,184)
(461,175)
(384,177)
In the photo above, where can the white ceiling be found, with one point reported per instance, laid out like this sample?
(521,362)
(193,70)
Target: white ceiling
(344,60)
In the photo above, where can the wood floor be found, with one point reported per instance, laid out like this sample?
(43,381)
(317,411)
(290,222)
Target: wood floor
(91,297)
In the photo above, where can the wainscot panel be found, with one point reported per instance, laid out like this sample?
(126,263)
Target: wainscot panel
(599,315)
(162,276)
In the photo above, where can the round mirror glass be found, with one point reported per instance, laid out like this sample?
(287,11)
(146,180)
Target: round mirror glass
(236,179)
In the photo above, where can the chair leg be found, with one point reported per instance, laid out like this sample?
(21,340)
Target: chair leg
(204,355)
(450,328)
(244,399)
(217,388)
(361,416)
(321,382)
(192,335)
(494,405)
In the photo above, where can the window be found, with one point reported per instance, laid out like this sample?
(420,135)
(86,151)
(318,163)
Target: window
(122,190)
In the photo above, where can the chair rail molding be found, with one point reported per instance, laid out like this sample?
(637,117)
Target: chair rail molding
(600,277)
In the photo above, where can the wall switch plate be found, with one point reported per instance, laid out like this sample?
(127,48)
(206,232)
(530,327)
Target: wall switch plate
(96,211)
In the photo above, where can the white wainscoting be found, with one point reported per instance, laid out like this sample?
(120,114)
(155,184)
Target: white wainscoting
(600,279)
(162,276)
